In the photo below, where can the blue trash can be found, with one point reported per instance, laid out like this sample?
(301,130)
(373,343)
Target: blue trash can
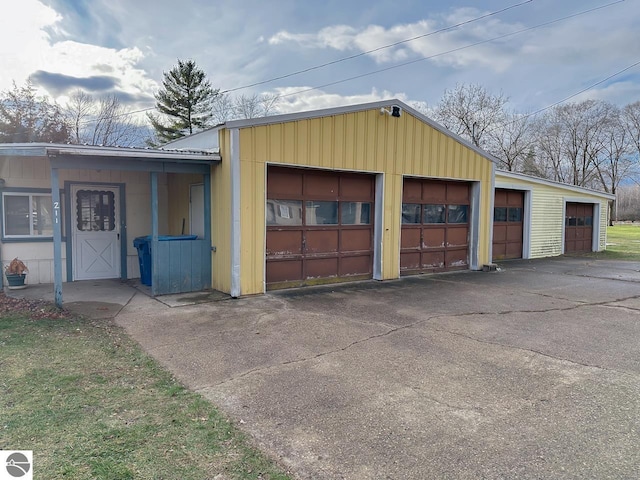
(143,244)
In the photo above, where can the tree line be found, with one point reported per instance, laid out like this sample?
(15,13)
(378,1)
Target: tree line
(592,143)
(186,103)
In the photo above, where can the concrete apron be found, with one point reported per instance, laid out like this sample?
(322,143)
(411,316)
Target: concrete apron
(530,372)
(102,299)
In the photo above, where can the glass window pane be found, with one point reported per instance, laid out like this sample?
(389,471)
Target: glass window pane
(42,211)
(16,215)
(581,221)
(515,214)
(500,214)
(588,221)
(458,213)
(355,213)
(410,213)
(321,213)
(95,211)
(284,212)
(571,221)
(434,214)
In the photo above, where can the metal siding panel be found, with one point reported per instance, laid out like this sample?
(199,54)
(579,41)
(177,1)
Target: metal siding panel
(221,213)
(547,216)
(364,141)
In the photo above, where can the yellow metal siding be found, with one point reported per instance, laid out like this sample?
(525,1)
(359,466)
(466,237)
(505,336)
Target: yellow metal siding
(221,218)
(361,141)
(547,215)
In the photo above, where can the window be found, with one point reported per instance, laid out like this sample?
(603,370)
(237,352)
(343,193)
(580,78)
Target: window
(500,214)
(515,214)
(434,214)
(458,213)
(27,215)
(96,211)
(410,213)
(321,213)
(284,212)
(355,213)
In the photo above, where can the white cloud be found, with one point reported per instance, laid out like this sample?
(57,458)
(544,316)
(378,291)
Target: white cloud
(291,101)
(23,40)
(373,37)
(26,47)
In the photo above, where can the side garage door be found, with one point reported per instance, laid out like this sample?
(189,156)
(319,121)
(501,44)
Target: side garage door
(435,226)
(319,226)
(578,227)
(507,224)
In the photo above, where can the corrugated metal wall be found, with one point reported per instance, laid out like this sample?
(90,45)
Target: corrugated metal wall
(221,218)
(361,141)
(547,214)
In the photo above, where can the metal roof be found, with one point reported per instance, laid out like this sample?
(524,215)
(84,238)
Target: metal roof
(552,183)
(58,149)
(209,138)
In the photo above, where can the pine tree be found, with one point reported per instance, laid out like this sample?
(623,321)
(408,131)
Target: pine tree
(185,101)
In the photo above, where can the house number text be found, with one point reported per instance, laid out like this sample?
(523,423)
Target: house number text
(56,212)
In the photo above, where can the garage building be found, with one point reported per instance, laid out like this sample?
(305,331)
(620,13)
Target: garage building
(366,191)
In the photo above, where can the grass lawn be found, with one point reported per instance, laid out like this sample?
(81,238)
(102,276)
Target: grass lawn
(623,242)
(92,405)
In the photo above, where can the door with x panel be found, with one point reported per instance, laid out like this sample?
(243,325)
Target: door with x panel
(96,232)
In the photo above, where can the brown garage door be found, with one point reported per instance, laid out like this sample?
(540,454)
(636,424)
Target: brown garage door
(319,226)
(578,228)
(435,226)
(508,213)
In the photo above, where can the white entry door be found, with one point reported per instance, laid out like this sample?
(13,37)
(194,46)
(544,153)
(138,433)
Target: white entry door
(96,232)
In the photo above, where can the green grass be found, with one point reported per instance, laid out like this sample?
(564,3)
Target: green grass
(92,405)
(623,243)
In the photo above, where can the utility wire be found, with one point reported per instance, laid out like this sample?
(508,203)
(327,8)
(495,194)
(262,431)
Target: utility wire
(422,59)
(619,72)
(351,57)
(411,62)
(317,67)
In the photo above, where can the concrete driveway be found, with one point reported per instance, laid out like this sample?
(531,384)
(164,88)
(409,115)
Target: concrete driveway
(529,372)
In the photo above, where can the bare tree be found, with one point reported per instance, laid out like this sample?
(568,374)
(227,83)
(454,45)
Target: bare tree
(471,111)
(227,108)
(103,121)
(512,141)
(616,161)
(631,122)
(25,117)
(223,108)
(571,139)
(550,147)
(78,111)
(248,106)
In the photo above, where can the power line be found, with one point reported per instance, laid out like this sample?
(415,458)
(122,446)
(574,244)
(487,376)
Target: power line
(619,72)
(411,62)
(351,57)
(422,59)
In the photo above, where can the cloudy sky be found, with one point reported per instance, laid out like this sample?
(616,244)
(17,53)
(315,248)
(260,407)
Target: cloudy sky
(528,50)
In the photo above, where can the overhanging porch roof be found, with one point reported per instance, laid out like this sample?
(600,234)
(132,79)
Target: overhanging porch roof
(90,157)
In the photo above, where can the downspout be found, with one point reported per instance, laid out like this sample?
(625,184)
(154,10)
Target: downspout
(235,212)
